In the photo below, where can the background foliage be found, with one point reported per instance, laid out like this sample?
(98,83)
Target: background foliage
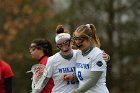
(117,23)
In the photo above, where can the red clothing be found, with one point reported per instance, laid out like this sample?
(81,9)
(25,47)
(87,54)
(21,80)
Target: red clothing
(5,72)
(50,84)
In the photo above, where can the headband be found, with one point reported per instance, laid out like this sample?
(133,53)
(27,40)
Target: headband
(62,35)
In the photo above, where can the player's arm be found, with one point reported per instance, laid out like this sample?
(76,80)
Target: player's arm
(105,56)
(8,85)
(94,77)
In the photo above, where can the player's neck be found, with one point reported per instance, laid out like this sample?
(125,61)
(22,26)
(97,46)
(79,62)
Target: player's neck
(68,57)
(41,56)
(87,50)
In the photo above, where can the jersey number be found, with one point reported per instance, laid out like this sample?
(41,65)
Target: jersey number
(70,82)
(80,75)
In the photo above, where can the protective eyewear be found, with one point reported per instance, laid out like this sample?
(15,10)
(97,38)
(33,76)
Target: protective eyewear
(31,47)
(81,38)
(66,43)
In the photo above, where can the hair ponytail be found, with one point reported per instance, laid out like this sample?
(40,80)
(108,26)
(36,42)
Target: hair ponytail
(94,35)
(90,31)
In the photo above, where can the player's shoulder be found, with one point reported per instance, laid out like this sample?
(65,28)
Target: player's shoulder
(77,53)
(54,57)
(96,51)
(75,50)
(98,56)
(6,68)
(4,64)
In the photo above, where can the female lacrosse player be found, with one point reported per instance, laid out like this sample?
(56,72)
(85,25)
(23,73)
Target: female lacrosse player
(91,75)
(61,63)
(40,50)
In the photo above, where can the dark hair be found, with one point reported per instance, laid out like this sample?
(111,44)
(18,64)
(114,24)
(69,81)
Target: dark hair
(45,45)
(61,29)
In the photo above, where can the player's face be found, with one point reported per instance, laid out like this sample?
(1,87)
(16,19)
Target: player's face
(81,40)
(64,46)
(35,53)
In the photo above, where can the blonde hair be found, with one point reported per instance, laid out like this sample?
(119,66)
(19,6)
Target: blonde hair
(89,30)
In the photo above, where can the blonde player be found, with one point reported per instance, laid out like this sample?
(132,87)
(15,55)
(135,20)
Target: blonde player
(91,74)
